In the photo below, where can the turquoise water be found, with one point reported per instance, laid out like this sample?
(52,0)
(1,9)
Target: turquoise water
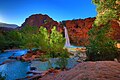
(13,69)
(42,66)
(72,46)
(4,56)
(17,69)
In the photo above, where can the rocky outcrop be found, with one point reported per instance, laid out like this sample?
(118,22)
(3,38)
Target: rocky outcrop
(78,29)
(39,20)
(100,70)
(115,30)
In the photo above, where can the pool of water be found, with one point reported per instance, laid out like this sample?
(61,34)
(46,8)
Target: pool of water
(42,66)
(72,46)
(4,56)
(15,70)
(18,69)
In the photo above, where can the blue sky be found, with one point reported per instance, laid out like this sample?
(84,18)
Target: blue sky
(16,11)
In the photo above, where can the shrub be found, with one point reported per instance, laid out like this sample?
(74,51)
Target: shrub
(56,43)
(63,61)
(42,39)
(28,37)
(101,46)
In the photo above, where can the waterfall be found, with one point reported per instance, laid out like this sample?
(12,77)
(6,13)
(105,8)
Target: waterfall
(67,43)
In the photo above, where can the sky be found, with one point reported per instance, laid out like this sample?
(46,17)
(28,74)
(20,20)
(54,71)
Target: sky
(16,11)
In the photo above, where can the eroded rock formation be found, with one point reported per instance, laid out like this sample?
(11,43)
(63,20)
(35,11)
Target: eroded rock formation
(42,20)
(77,29)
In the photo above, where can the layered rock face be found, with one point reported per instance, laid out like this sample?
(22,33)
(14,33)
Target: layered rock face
(77,29)
(42,20)
(116,30)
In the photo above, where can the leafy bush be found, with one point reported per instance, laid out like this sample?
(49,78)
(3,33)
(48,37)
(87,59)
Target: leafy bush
(52,43)
(2,42)
(44,57)
(13,39)
(101,46)
(42,39)
(28,37)
(10,39)
(56,43)
(62,63)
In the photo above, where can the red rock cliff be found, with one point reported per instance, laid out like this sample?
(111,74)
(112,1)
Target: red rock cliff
(42,20)
(77,29)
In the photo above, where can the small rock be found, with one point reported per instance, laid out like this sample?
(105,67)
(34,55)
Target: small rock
(33,68)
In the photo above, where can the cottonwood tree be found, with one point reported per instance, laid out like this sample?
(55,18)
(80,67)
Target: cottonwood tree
(42,39)
(101,46)
(57,41)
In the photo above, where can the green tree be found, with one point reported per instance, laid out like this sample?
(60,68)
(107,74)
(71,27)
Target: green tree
(28,37)
(3,43)
(42,39)
(57,42)
(101,46)
(13,38)
(29,29)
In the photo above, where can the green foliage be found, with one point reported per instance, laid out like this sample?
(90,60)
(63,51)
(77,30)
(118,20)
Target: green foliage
(44,57)
(2,42)
(42,39)
(28,37)
(101,46)
(25,38)
(57,42)
(13,38)
(62,63)
(52,43)
(31,37)
(10,39)
(29,30)
(107,10)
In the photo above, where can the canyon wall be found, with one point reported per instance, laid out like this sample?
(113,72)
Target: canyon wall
(39,20)
(77,29)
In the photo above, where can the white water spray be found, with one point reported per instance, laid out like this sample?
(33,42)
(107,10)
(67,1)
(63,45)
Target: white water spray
(67,43)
